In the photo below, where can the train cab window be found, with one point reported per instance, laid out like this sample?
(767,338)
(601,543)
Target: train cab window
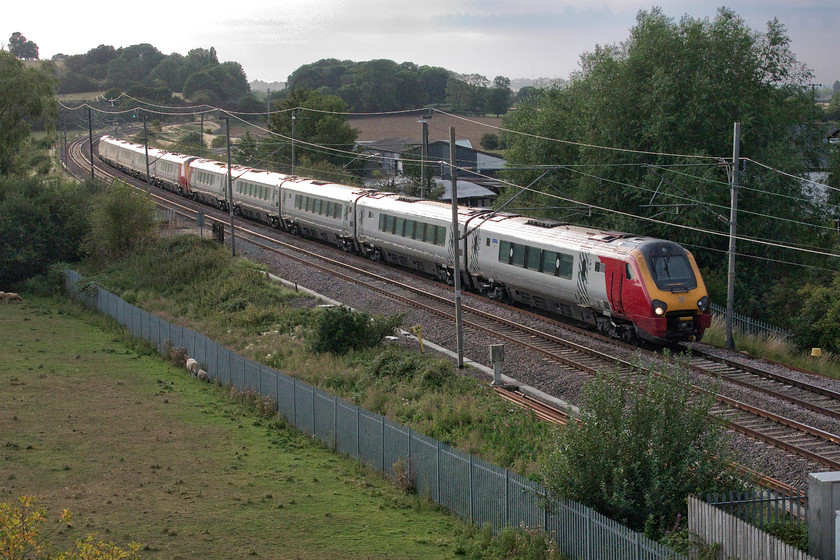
(628,272)
(532,260)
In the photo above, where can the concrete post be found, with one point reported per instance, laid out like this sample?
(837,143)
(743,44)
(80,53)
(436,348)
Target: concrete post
(823,503)
(497,356)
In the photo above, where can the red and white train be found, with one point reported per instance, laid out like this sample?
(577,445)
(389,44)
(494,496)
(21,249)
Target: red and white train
(628,286)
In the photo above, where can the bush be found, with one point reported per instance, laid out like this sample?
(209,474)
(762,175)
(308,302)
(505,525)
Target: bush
(637,453)
(20,537)
(42,223)
(338,330)
(122,218)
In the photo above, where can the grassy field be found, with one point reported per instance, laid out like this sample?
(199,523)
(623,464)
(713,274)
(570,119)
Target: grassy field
(139,451)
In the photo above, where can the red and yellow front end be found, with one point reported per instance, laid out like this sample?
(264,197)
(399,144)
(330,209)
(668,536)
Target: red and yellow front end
(668,301)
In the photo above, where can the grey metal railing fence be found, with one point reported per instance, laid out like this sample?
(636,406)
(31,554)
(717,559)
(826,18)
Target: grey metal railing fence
(748,325)
(760,507)
(470,487)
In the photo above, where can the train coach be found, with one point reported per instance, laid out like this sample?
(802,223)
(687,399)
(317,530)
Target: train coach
(627,286)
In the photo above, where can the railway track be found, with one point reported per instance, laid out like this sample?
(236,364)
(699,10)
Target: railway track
(814,444)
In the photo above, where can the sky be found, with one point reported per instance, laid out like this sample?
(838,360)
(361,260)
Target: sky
(512,38)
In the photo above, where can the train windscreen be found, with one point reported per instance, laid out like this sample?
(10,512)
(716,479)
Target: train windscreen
(669,266)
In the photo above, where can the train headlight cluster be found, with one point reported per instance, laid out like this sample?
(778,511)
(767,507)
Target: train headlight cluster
(659,307)
(703,304)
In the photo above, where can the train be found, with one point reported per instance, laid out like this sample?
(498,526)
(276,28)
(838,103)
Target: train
(629,287)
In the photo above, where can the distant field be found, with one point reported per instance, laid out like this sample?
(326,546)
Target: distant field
(406,126)
(80,96)
(139,451)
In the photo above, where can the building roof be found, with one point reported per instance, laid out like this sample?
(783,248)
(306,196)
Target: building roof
(466,189)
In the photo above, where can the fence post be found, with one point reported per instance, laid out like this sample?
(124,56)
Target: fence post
(358,420)
(588,532)
(382,436)
(335,423)
(312,416)
(507,497)
(437,473)
(294,401)
(472,506)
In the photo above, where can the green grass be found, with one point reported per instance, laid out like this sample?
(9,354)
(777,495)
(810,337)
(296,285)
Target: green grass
(199,284)
(773,348)
(139,451)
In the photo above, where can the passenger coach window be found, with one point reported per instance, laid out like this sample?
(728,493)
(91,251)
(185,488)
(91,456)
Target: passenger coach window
(504,252)
(533,258)
(411,229)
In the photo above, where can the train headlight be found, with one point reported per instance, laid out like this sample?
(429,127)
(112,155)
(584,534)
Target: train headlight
(659,307)
(703,304)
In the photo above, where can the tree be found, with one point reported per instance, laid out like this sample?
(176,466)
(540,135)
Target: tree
(26,95)
(121,219)
(490,141)
(42,223)
(320,127)
(677,88)
(636,454)
(21,48)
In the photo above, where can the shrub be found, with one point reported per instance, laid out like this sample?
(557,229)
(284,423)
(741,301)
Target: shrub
(122,218)
(42,223)
(338,330)
(636,454)
(20,537)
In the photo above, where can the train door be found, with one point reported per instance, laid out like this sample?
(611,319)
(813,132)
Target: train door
(616,288)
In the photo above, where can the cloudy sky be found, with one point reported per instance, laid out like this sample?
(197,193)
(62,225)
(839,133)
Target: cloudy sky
(512,38)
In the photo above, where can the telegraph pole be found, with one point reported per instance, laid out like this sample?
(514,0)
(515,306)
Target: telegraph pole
(230,187)
(201,132)
(733,223)
(424,156)
(268,107)
(90,142)
(456,246)
(146,144)
(294,117)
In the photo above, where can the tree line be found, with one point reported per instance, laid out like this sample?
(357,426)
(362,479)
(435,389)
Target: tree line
(664,102)
(383,85)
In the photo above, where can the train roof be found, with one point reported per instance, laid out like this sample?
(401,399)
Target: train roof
(412,207)
(334,191)
(566,235)
(213,166)
(175,157)
(259,176)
